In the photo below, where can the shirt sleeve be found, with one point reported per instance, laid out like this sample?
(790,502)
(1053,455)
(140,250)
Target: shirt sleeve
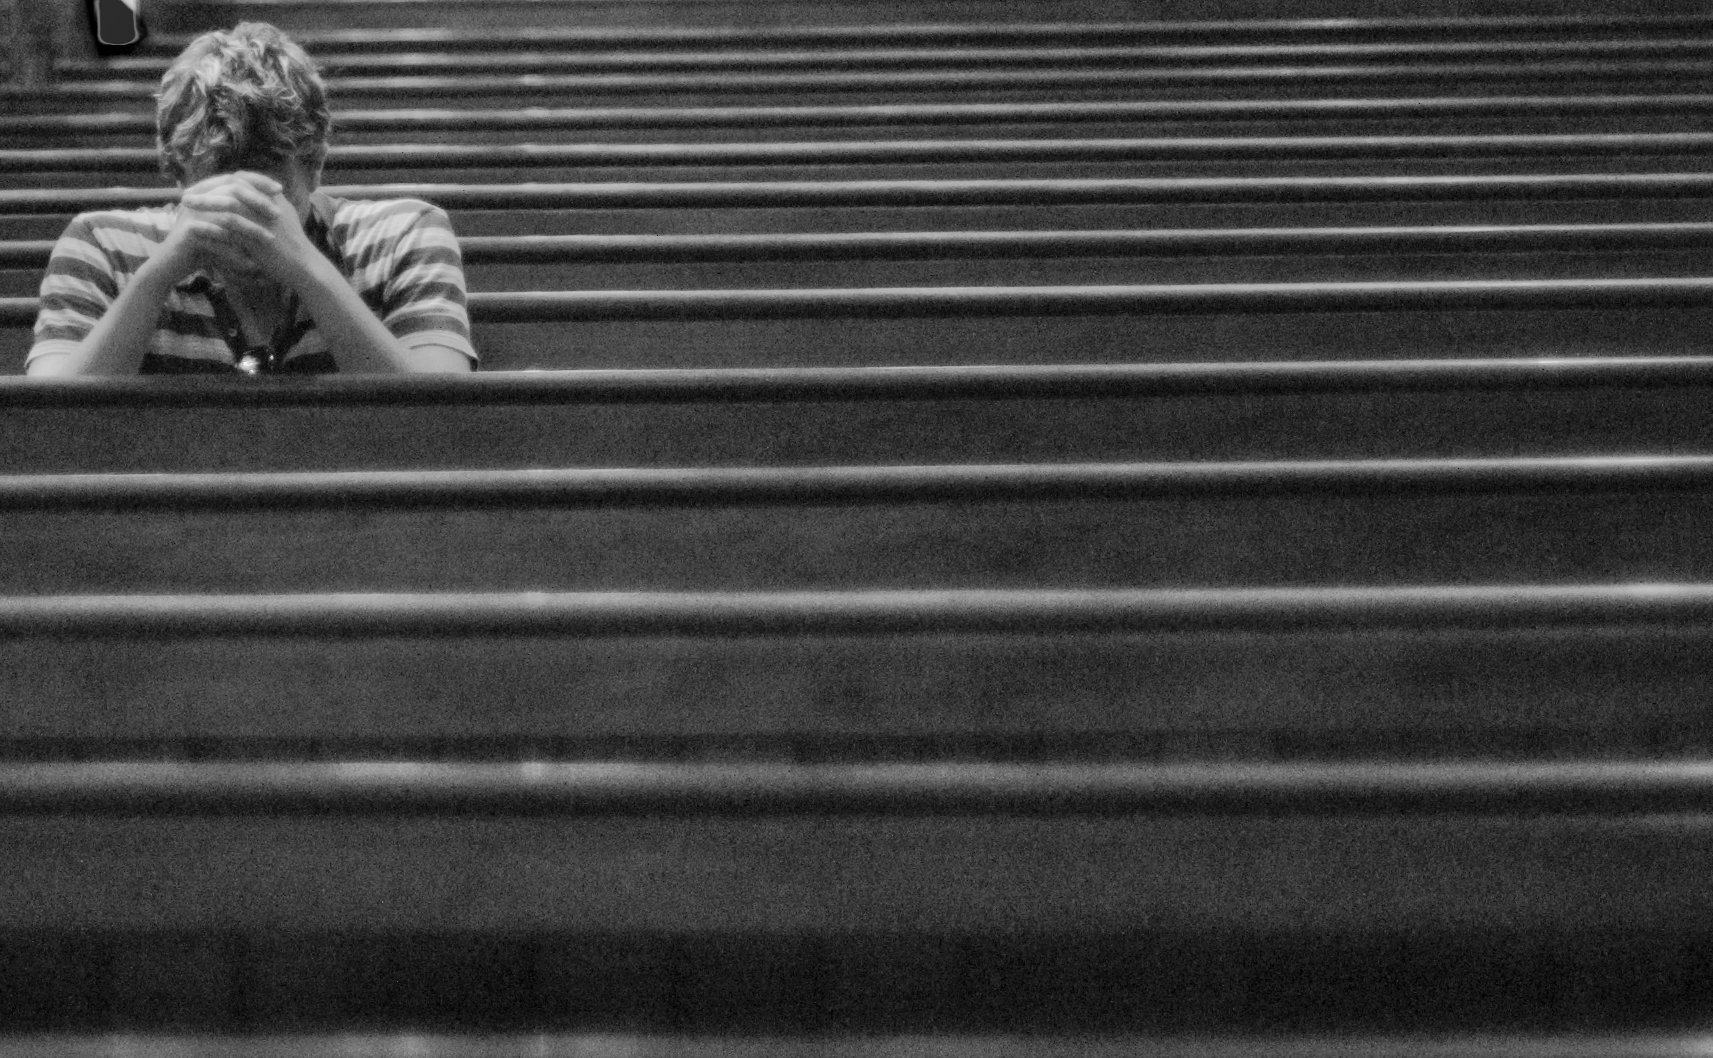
(423,302)
(76,290)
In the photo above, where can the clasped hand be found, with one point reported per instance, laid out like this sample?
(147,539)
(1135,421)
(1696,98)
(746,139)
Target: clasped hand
(240,225)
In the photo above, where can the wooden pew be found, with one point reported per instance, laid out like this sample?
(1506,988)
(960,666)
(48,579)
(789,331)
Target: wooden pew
(299,14)
(1285,522)
(1494,971)
(1288,27)
(1351,156)
(1575,25)
(1343,157)
(595,262)
(806,417)
(457,58)
(1548,673)
(963,1045)
(993,204)
(971,325)
(1172,412)
(721,88)
(1540,113)
(563,851)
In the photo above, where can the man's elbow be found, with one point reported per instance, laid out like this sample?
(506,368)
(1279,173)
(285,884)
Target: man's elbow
(51,365)
(438,360)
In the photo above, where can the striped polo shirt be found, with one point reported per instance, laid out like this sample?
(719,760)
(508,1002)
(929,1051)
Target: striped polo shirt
(399,254)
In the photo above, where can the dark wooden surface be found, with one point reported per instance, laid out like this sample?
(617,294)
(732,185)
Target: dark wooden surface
(771,88)
(881,259)
(835,206)
(791,13)
(1379,692)
(585,214)
(890,875)
(879,1046)
(1231,20)
(271,788)
(1338,115)
(1085,339)
(498,169)
(1227,27)
(806,529)
(995,190)
(1223,155)
(484,58)
(898,336)
(1374,409)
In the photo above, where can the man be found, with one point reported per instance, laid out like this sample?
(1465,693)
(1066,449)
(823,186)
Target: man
(254,269)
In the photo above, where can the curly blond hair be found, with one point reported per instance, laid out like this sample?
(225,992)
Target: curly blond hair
(244,98)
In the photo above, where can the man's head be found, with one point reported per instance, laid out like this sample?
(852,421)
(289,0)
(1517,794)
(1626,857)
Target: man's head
(244,98)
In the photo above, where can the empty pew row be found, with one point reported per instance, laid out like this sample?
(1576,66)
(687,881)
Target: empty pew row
(757,206)
(1102,324)
(972,325)
(294,811)
(363,985)
(792,14)
(595,262)
(1553,854)
(239,991)
(1230,157)
(457,60)
(1271,523)
(943,23)
(1550,674)
(1541,113)
(182,16)
(916,86)
(1480,29)
(962,1045)
(902,416)
(1159,27)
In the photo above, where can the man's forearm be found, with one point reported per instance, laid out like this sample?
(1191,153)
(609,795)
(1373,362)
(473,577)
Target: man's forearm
(115,346)
(359,340)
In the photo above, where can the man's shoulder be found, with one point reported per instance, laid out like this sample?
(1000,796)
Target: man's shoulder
(113,239)
(353,213)
(103,225)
